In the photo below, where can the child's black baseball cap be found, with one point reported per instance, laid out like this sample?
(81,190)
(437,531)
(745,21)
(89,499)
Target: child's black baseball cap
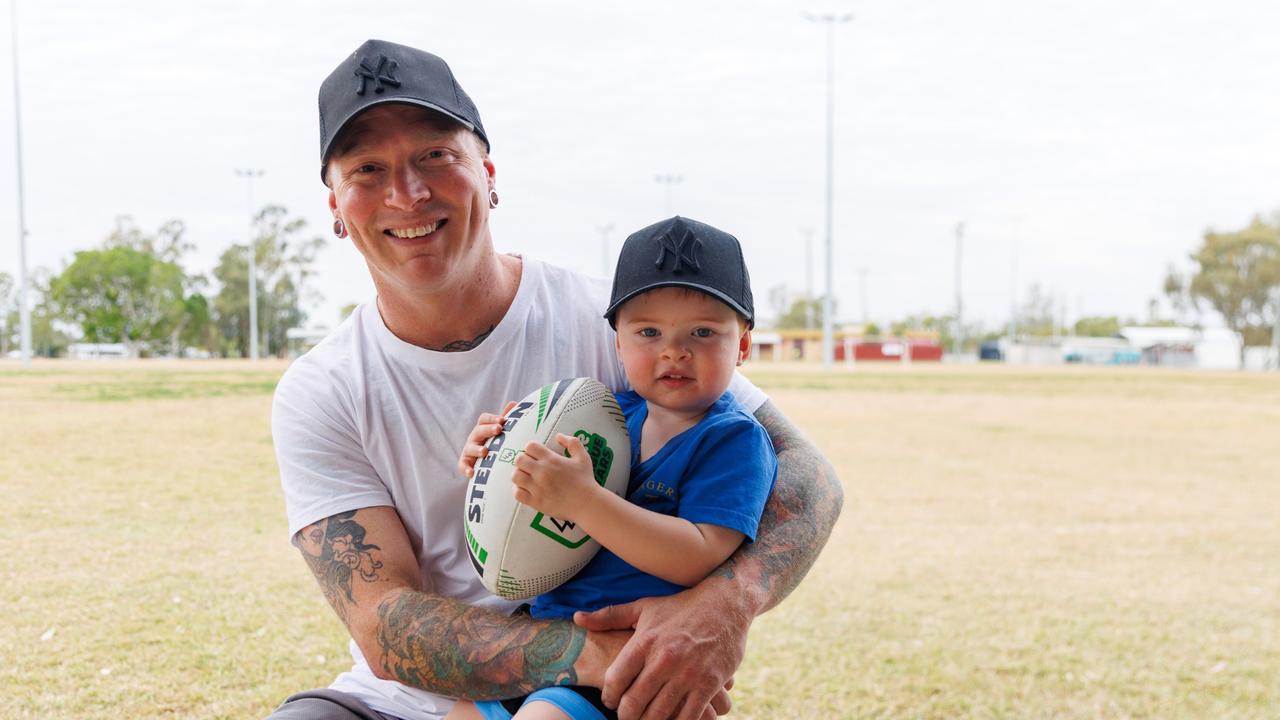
(683,253)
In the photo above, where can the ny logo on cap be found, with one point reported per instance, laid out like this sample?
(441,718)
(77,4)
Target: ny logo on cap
(683,248)
(384,73)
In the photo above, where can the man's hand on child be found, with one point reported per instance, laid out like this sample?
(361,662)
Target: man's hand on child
(487,425)
(551,483)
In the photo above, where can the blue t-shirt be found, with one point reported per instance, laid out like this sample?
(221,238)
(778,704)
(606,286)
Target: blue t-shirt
(720,471)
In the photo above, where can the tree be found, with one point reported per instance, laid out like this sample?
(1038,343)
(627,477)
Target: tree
(800,313)
(285,261)
(346,311)
(197,331)
(130,291)
(231,304)
(1236,274)
(121,295)
(1037,317)
(8,299)
(941,324)
(1108,326)
(1175,289)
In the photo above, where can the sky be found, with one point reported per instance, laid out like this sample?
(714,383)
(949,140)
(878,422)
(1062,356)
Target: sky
(1086,146)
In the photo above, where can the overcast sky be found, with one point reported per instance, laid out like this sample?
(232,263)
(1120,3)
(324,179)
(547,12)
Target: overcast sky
(1095,140)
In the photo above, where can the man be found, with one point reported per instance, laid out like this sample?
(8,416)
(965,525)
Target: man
(367,427)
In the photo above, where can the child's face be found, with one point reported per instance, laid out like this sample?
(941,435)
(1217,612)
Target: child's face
(680,347)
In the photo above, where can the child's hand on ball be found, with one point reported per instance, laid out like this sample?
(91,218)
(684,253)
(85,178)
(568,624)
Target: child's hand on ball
(487,426)
(552,483)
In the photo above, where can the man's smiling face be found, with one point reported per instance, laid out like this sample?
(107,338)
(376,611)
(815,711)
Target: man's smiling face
(412,188)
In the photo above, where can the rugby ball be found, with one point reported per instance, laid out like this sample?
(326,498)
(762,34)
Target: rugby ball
(518,551)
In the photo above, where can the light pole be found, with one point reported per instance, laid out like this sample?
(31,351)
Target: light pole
(667,181)
(249,174)
(1013,279)
(1013,294)
(1275,334)
(830,20)
(24,306)
(604,231)
(862,285)
(808,279)
(958,339)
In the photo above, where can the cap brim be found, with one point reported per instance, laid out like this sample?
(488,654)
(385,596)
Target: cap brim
(613,309)
(328,148)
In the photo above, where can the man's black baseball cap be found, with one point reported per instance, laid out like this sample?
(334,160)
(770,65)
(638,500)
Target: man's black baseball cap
(382,72)
(683,253)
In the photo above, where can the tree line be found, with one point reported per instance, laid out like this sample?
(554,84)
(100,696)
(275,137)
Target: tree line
(134,289)
(1235,274)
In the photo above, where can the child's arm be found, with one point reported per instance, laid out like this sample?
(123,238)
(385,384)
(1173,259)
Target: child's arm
(671,548)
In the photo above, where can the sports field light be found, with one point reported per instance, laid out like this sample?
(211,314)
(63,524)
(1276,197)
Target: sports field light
(808,279)
(24,306)
(604,231)
(1275,332)
(830,20)
(249,175)
(667,181)
(957,340)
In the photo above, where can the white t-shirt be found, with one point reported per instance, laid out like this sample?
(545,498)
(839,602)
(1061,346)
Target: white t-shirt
(365,419)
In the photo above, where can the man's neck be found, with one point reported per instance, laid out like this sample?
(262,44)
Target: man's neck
(459,318)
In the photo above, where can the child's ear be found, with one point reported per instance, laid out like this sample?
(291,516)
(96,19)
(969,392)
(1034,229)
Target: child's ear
(744,346)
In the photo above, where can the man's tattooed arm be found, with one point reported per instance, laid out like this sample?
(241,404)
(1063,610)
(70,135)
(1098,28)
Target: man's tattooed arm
(797,519)
(449,647)
(336,552)
(365,566)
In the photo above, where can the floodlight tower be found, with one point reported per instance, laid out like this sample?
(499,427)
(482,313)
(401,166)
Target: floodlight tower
(808,279)
(249,174)
(667,181)
(1275,333)
(24,306)
(862,286)
(1013,294)
(604,231)
(958,339)
(830,20)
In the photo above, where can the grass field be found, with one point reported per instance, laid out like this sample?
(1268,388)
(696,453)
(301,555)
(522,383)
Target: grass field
(1015,544)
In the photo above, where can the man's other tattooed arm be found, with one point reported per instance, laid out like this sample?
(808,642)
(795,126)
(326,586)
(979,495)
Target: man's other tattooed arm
(365,566)
(452,648)
(797,519)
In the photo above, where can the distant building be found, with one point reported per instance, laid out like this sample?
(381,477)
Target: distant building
(1207,348)
(766,346)
(851,344)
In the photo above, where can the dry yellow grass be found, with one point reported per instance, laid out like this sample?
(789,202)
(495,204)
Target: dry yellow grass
(1015,544)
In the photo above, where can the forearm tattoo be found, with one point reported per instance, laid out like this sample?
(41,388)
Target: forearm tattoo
(434,643)
(452,648)
(797,519)
(336,551)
